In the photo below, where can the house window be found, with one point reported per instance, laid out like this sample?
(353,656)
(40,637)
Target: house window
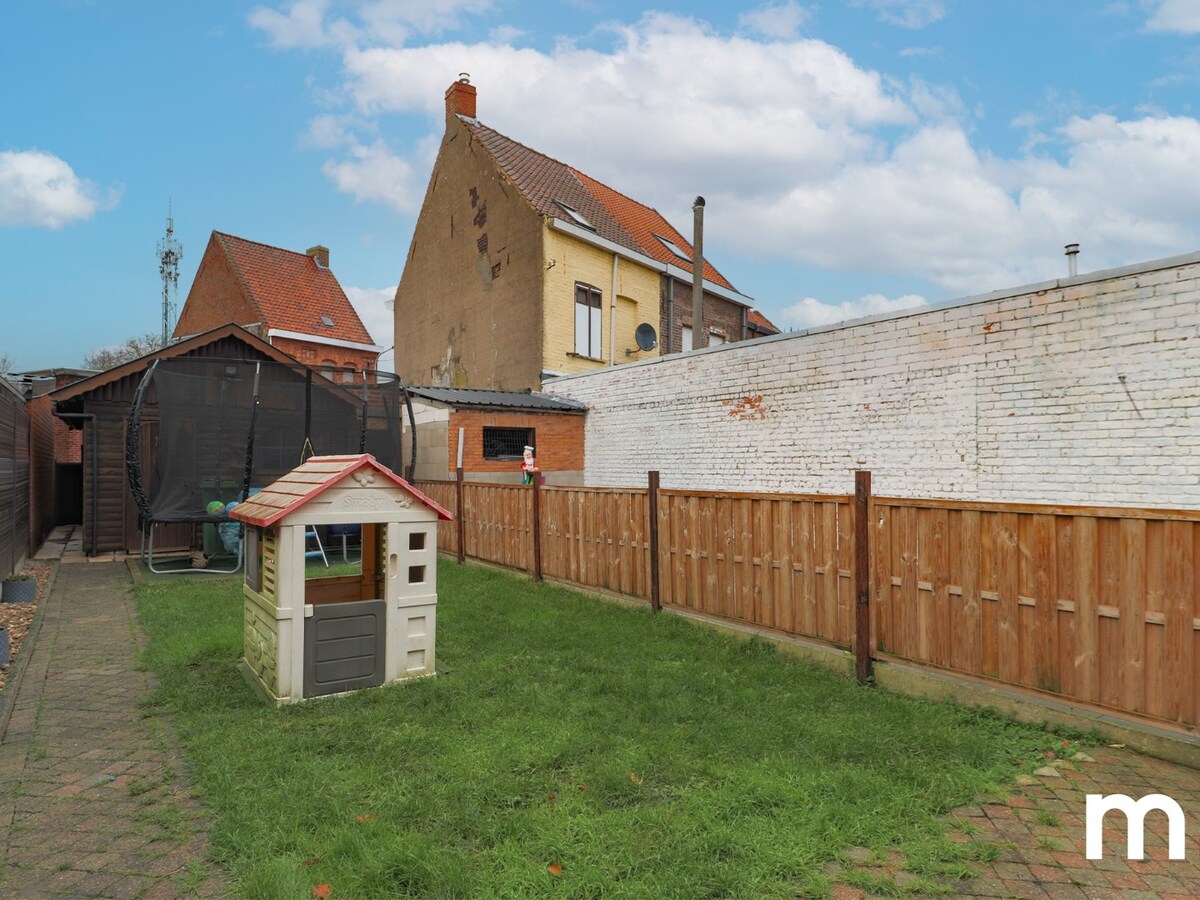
(686,341)
(348,374)
(673,247)
(506,443)
(575,215)
(587,321)
(714,339)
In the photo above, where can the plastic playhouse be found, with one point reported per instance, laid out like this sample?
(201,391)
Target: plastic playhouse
(315,637)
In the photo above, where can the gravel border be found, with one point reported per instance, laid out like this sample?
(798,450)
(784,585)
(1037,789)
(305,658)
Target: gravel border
(12,679)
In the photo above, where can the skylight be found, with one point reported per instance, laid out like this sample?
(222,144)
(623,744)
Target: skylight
(326,321)
(576,215)
(673,247)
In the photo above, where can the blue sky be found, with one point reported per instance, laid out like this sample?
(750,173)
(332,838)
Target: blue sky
(856,157)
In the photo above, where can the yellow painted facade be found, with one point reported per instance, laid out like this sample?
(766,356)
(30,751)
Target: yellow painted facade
(570,261)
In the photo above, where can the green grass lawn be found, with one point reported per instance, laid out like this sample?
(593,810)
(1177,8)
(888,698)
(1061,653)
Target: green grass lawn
(644,755)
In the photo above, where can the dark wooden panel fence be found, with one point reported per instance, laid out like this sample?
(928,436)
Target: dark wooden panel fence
(14,481)
(1094,605)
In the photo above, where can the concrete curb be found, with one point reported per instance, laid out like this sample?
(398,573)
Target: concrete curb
(13,684)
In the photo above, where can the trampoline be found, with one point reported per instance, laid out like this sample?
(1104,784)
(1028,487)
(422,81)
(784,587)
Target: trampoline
(229,427)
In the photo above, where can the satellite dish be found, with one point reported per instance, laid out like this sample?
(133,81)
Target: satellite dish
(646,336)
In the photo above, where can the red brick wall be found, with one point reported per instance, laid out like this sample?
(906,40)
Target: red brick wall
(216,297)
(318,355)
(559,440)
(720,315)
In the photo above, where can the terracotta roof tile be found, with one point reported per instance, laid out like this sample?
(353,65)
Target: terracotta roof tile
(542,180)
(291,291)
(644,223)
(754,317)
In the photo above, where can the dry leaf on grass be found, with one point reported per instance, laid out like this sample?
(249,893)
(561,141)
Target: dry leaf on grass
(554,869)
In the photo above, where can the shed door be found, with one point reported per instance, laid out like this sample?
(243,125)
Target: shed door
(343,647)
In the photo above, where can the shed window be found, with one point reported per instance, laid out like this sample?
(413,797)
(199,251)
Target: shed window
(507,443)
(587,321)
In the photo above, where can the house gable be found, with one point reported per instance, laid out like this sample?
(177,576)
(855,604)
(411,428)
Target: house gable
(468,309)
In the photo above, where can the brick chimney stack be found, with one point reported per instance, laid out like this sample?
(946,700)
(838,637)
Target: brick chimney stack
(319,254)
(460,98)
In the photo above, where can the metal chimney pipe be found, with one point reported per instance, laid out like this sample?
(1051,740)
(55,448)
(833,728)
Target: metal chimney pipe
(1072,251)
(699,332)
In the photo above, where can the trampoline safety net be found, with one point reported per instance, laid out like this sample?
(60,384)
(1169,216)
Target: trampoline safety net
(228,426)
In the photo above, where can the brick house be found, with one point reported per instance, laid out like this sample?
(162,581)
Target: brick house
(290,300)
(522,267)
(497,425)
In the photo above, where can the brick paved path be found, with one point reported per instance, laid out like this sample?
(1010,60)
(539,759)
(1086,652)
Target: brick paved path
(1039,833)
(93,801)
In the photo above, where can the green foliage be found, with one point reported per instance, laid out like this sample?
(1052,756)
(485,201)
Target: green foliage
(645,755)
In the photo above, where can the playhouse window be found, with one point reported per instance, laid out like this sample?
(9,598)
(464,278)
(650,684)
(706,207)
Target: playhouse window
(506,443)
(416,540)
(416,574)
(254,550)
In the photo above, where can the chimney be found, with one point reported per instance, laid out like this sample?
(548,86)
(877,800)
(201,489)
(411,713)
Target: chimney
(1072,252)
(460,97)
(319,254)
(699,331)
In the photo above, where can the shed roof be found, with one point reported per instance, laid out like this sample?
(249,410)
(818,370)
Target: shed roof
(180,348)
(309,480)
(522,400)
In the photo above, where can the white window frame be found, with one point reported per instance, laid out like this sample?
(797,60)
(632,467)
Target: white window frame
(589,305)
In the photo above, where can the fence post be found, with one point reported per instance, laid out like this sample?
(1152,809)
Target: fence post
(458,514)
(862,576)
(537,526)
(652,495)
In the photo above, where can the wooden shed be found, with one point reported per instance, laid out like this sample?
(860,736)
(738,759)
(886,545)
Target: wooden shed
(100,406)
(309,637)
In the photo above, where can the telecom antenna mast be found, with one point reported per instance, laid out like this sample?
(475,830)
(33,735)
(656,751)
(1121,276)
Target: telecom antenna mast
(170,252)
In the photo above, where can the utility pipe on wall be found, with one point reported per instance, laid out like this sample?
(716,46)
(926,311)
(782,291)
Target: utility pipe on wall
(612,318)
(699,333)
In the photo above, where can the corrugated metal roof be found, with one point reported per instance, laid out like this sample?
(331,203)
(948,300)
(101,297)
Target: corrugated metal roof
(501,399)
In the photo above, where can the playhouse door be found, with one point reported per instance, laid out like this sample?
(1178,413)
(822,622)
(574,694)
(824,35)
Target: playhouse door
(343,647)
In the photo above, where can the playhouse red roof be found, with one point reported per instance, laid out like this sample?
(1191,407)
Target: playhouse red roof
(310,479)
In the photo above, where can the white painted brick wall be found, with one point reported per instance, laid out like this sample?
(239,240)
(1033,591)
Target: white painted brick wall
(1082,392)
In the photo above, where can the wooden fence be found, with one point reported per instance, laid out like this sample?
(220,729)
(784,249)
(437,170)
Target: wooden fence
(14,480)
(1097,606)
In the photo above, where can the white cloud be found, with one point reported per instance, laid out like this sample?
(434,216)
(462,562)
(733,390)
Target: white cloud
(803,155)
(306,23)
(813,313)
(779,20)
(374,172)
(1177,16)
(371,306)
(40,190)
(301,25)
(906,13)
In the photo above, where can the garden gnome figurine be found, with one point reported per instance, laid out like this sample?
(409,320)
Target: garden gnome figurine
(528,466)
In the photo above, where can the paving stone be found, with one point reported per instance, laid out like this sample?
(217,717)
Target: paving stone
(68,825)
